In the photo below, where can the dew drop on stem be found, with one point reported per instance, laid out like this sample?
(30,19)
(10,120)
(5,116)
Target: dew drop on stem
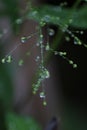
(51,32)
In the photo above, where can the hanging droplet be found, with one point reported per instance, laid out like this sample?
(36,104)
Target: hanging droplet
(35,87)
(77,40)
(47,48)
(81,32)
(37,59)
(75,43)
(8,59)
(51,32)
(70,62)
(42,23)
(44,103)
(41,36)
(47,74)
(3,60)
(62,53)
(42,95)
(23,39)
(74,65)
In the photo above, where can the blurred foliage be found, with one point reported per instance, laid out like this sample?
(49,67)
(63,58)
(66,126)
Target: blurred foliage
(5,86)
(60,16)
(16,122)
(11,121)
(12,11)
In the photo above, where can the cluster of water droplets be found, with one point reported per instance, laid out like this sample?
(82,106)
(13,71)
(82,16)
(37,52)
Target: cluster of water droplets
(7,59)
(43,72)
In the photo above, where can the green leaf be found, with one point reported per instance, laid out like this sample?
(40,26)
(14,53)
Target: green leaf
(15,122)
(60,16)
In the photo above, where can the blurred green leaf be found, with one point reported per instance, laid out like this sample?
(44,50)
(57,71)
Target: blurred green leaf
(60,16)
(6,90)
(12,10)
(15,122)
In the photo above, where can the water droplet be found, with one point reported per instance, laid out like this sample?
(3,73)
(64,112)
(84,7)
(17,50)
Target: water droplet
(62,53)
(81,32)
(41,36)
(23,39)
(74,65)
(8,59)
(35,86)
(42,95)
(70,62)
(44,103)
(3,60)
(75,43)
(37,59)
(69,32)
(51,32)
(47,74)
(47,48)
(42,23)
(78,41)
